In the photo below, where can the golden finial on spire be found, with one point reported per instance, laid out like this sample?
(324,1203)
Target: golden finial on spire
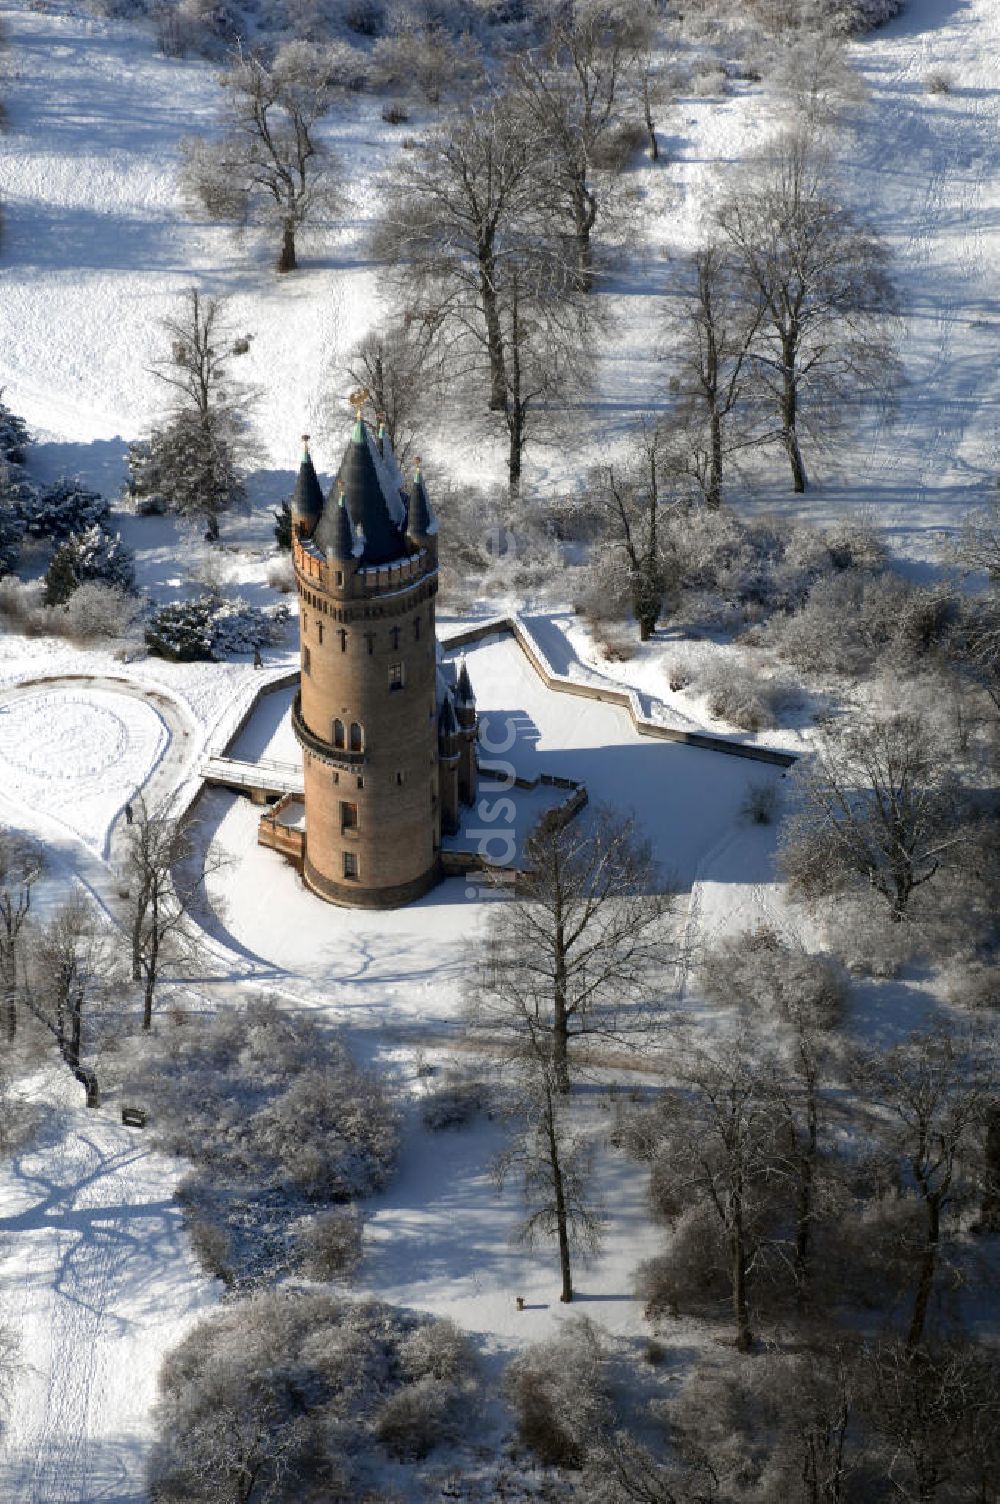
(357,399)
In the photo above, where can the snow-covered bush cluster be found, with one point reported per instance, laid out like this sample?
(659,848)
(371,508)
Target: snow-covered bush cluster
(560,1393)
(67,506)
(742,698)
(91,556)
(212,628)
(308,1396)
(852,619)
(453,1101)
(276,1119)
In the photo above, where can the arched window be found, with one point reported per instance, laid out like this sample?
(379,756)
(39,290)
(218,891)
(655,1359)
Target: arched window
(357,737)
(338,733)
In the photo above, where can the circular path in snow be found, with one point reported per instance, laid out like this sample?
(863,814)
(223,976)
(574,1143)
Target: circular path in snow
(78,753)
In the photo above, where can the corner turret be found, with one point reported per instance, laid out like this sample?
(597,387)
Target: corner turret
(307,498)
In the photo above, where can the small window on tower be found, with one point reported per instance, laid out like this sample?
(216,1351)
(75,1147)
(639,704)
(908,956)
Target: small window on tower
(350,864)
(319,632)
(306,660)
(357,737)
(395,676)
(338,733)
(348,815)
(400,779)
(395,637)
(340,579)
(343,640)
(416,629)
(305,622)
(370,636)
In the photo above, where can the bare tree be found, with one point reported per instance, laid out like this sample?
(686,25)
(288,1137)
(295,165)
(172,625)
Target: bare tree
(553,1163)
(572,90)
(457,212)
(632,496)
(73,973)
(165,887)
(824,338)
(269,161)
(577,952)
(545,332)
(717,1148)
(22,864)
(713,337)
(804,995)
(935,1415)
(879,803)
(938,1090)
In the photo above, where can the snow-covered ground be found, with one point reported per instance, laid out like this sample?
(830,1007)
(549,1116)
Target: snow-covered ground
(96,245)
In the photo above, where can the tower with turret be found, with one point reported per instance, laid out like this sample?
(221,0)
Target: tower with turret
(387,734)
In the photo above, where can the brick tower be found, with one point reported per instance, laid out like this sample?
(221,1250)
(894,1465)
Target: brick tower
(378,764)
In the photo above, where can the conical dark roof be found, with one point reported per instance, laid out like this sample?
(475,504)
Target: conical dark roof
(420,519)
(359,480)
(447,722)
(307,498)
(341,545)
(463,688)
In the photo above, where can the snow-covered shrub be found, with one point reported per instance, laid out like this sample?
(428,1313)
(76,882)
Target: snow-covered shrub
(210,1246)
(559,1391)
(67,506)
(850,620)
(720,560)
(276,1119)
(454,1102)
(329,1244)
(853,543)
(95,611)
(940,81)
(210,628)
(414,1420)
(736,695)
(91,555)
(760,803)
(761,971)
(181,630)
(240,628)
(14,435)
(863,935)
(289,1389)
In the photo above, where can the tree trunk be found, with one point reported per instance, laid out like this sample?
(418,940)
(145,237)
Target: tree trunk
(560,1016)
(744,1334)
(583,215)
(789,415)
(713,498)
(654,149)
(515,447)
(286,260)
(803,1211)
(151,966)
(494,334)
(566,1293)
(10,1014)
(928,1268)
